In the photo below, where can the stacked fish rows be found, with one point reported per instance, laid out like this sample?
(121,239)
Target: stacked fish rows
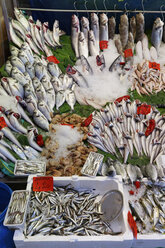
(66,211)
(37,35)
(119,126)
(149,210)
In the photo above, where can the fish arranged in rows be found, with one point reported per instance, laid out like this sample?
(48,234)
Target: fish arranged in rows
(36,34)
(149,210)
(132,172)
(65,211)
(147,80)
(121,127)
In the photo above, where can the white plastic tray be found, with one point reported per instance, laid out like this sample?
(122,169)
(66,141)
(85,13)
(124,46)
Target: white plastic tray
(100,185)
(27,174)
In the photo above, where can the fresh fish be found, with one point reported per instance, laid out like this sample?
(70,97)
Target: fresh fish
(56,32)
(93,46)
(18,75)
(15,39)
(139,27)
(22,55)
(115,64)
(123,30)
(82,45)
(48,37)
(16,88)
(103,27)
(18,27)
(51,98)
(100,61)
(21,18)
(70,98)
(120,170)
(78,78)
(153,54)
(157,33)
(2,142)
(23,114)
(57,84)
(111,27)
(139,51)
(138,172)
(3,157)
(40,93)
(43,107)
(39,34)
(66,81)
(30,152)
(18,151)
(31,104)
(85,65)
(32,31)
(119,47)
(95,27)
(47,50)
(13,118)
(40,120)
(30,69)
(60,99)
(29,91)
(151,172)
(8,67)
(6,86)
(133,26)
(40,70)
(32,44)
(54,69)
(36,82)
(7,121)
(26,48)
(14,50)
(6,153)
(31,136)
(75,29)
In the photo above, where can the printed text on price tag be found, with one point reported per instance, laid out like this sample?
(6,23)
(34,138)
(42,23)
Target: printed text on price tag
(42,183)
(53,59)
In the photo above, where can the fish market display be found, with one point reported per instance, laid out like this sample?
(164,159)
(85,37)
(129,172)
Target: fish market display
(147,80)
(29,167)
(148,209)
(36,34)
(124,126)
(157,33)
(17,208)
(73,152)
(66,211)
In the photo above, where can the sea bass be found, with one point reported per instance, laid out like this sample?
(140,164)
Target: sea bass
(82,45)
(93,46)
(103,27)
(157,33)
(75,29)
(111,27)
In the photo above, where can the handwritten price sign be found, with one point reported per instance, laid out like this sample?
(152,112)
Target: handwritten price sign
(42,183)
(103,44)
(154,65)
(2,123)
(53,59)
(128,53)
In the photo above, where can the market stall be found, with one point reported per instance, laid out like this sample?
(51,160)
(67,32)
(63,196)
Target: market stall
(82,122)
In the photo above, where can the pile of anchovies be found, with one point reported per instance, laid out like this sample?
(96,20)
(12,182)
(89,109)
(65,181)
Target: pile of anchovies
(30,167)
(65,211)
(17,208)
(149,210)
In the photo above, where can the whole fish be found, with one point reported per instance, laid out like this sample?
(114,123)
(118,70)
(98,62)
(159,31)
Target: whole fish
(151,172)
(115,64)
(40,70)
(47,35)
(75,29)
(70,98)
(30,152)
(3,91)
(32,44)
(47,50)
(103,27)
(111,27)
(54,69)
(51,98)
(2,142)
(40,120)
(21,18)
(39,34)
(119,47)
(43,107)
(123,30)
(157,33)
(23,114)
(6,153)
(18,27)
(26,48)
(93,46)
(60,99)
(14,50)
(8,134)
(66,81)
(15,39)
(56,32)
(40,93)
(78,78)
(13,118)
(28,78)
(82,45)
(22,55)
(2,114)
(139,27)
(46,83)
(85,27)
(30,69)
(15,87)
(16,62)
(85,65)
(153,54)
(31,104)
(32,27)
(95,27)
(100,61)
(139,51)
(5,84)
(57,84)
(8,67)
(131,171)
(31,136)
(29,91)
(36,82)
(133,26)
(18,151)
(18,75)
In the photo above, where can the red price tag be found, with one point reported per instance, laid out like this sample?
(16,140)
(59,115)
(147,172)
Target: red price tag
(143,109)
(132,224)
(53,59)
(103,44)
(126,97)
(87,121)
(2,123)
(128,53)
(42,183)
(150,127)
(65,124)
(154,65)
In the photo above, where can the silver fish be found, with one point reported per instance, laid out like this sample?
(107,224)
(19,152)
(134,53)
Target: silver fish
(15,39)
(82,45)
(8,122)
(29,91)
(40,70)
(3,157)
(30,152)
(78,78)
(6,86)
(36,82)
(26,48)
(43,107)
(57,84)
(2,142)
(21,18)
(30,69)
(54,69)
(56,32)
(85,65)
(139,27)
(6,153)
(31,104)
(75,29)
(18,27)
(93,46)
(70,98)
(22,55)
(111,27)
(18,151)
(47,35)
(100,60)
(60,98)
(23,114)
(40,93)
(131,171)
(115,64)
(85,27)
(95,27)
(32,44)
(13,118)
(32,27)
(31,136)
(103,27)
(8,67)
(40,120)
(15,87)
(157,33)
(151,172)
(18,75)
(14,50)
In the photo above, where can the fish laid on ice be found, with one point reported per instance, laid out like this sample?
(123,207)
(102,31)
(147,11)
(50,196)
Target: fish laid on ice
(18,151)
(75,29)
(15,39)
(40,120)
(60,98)
(78,78)
(43,107)
(85,65)
(31,136)
(93,47)
(157,33)
(54,69)
(30,152)
(70,98)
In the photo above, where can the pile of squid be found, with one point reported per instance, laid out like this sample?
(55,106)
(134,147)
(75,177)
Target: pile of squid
(36,34)
(126,125)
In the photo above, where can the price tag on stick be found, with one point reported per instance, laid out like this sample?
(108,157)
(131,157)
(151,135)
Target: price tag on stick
(103,44)
(128,53)
(2,123)
(42,184)
(53,59)
(154,65)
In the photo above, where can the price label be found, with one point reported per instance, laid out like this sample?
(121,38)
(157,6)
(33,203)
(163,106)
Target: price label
(53,59)
(2,123)
(42,183)
(128,53)
(154,66)
(87,121)
(143,109)
(103,44)
(122,97)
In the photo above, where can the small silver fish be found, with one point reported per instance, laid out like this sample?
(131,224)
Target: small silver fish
(40,120)
(8,67)
(18,151)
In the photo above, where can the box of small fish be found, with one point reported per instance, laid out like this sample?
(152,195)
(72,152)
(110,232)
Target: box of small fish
(79,212)
(25,168)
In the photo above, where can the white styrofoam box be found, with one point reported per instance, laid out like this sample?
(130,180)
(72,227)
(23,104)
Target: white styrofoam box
(100,185)
(152,240)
